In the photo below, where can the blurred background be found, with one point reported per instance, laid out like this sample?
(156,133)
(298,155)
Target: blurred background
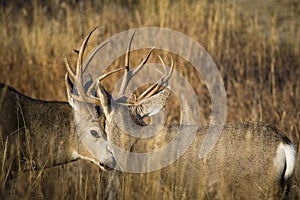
(255,45)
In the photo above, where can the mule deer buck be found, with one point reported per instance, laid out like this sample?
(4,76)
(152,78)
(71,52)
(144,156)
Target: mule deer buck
(249,161)
(38,134)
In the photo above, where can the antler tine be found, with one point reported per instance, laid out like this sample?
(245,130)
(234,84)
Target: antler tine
(165,82)
(82,49)
(142,64)
(149,92)
(92,54)
(79,78)
(156,87)
(127,68)
(71,74)
(127,56)
(103,76)
(129,74)
(77,98)
(67,86)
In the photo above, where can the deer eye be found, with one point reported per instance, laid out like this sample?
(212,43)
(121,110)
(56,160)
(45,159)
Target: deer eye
(94,133)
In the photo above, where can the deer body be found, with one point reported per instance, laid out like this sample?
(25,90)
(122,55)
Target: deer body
(243,163)
(37,134)
(249,161)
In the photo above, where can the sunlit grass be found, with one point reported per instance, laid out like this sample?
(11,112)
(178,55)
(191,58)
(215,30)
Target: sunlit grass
(255,48)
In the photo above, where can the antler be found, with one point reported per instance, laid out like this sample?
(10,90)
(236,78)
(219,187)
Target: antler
(77,79)
(129,74)
(158,86)
(86,95)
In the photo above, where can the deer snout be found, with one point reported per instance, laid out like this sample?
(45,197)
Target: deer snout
(108,164)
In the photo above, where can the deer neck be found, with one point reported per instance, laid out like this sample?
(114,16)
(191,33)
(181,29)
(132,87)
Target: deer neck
(45,134)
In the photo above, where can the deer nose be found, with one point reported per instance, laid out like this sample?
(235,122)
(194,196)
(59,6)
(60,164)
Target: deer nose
(108,166)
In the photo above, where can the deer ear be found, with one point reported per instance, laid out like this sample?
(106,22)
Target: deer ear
(152,105)
(104,97)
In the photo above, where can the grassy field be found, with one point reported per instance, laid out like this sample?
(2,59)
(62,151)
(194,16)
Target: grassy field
(256,46)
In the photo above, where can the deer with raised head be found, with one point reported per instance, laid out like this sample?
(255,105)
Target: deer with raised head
(249,161)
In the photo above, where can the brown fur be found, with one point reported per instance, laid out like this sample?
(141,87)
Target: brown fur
(35,134)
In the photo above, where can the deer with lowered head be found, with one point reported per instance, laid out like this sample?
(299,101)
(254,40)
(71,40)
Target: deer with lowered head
(54,133)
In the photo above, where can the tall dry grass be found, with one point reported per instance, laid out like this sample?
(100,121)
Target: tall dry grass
(255,45)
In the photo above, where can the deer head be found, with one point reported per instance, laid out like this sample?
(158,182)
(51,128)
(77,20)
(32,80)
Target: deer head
(125,116)
(87,114)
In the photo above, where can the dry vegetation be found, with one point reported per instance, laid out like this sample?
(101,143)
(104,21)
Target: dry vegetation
(256,47)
